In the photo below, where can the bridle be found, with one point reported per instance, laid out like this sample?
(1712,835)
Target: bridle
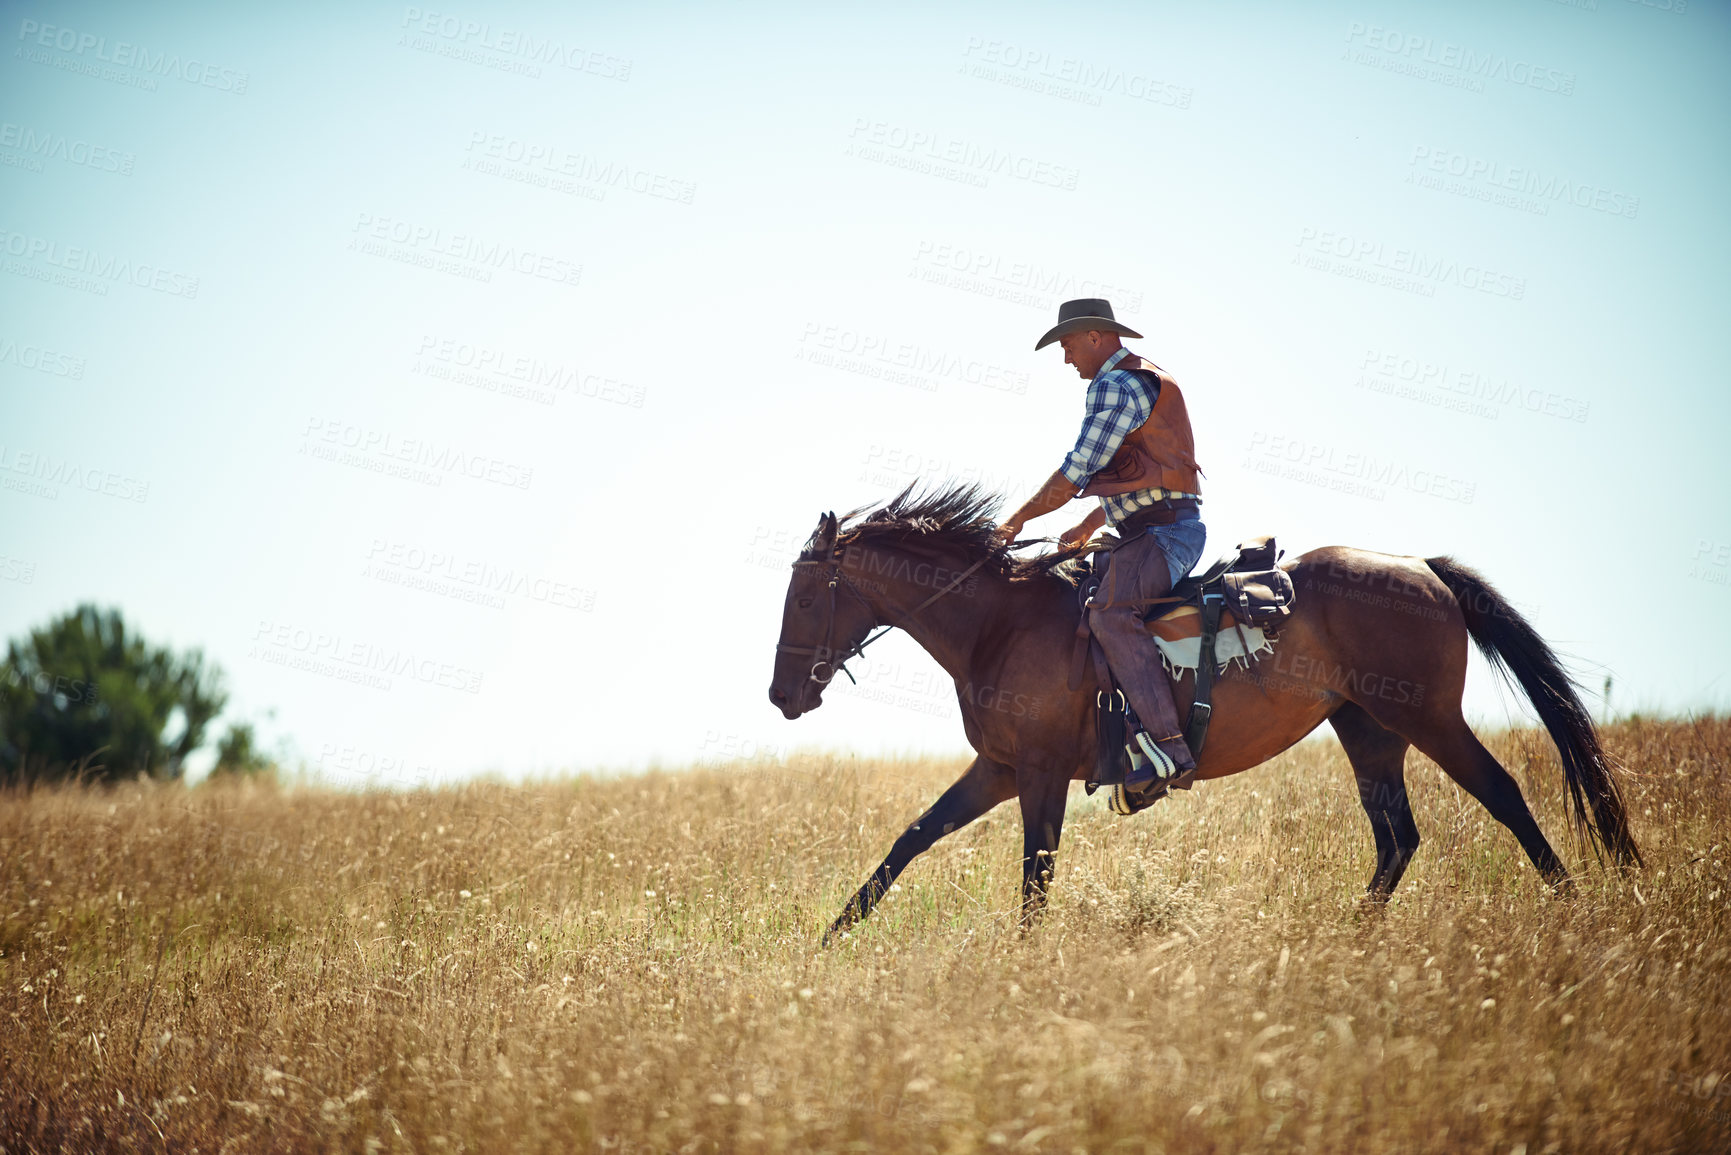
(824,655)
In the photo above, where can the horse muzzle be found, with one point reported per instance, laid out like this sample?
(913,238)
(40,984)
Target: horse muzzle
(805,697)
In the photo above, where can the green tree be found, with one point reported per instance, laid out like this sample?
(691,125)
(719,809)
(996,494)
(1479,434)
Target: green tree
(83,691)
(238,753)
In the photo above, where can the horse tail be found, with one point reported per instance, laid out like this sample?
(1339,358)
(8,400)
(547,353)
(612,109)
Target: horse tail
(1517,652)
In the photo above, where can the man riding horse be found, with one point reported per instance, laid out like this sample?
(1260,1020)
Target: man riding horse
(1136,454)
(1386,673)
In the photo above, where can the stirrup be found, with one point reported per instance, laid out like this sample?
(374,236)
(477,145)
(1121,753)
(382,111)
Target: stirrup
(1122,801)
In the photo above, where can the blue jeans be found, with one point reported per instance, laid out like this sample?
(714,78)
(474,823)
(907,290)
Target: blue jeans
(1181,542)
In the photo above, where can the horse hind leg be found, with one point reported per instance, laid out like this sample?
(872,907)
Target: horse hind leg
(1455,748)
(1378,757)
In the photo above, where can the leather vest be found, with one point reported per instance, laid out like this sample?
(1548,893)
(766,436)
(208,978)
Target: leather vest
(1159,453)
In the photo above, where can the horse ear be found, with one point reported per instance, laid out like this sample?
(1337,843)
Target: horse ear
(823,537)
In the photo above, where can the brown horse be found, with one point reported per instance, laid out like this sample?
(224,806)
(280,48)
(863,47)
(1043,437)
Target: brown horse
(1376,645)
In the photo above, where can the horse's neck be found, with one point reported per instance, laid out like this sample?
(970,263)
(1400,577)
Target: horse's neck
(953,628)
(949,628)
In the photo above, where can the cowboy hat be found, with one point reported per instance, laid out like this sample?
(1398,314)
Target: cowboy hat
(1083,315)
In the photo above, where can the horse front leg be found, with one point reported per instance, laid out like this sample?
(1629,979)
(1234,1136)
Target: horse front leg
(1044,797)
(982,786)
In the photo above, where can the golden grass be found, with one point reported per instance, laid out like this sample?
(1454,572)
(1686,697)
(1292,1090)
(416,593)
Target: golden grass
(632,965)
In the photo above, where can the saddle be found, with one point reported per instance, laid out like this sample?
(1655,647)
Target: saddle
(1243,588)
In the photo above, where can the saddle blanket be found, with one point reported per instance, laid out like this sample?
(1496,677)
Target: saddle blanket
(1179,637)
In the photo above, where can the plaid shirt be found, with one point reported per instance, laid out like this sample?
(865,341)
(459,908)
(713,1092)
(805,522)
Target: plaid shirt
(1118,402)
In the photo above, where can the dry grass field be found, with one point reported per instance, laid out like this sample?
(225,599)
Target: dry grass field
(632,965)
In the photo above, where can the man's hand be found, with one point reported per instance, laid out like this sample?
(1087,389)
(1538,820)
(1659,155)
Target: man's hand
(1008,532)
(1085,529)
(1076,535)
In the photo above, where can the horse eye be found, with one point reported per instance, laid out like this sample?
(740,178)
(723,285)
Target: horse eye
(805,603)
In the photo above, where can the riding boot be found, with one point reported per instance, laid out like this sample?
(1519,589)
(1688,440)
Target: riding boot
(1171,758)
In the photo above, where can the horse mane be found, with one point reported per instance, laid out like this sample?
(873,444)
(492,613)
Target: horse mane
(960,515)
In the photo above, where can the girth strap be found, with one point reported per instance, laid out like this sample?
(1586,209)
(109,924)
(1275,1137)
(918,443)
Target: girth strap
(1196,728)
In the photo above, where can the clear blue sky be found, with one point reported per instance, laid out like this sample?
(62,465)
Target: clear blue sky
(1436,278)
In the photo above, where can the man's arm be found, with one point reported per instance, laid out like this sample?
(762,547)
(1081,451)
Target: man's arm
(1057,491)
(1116,404)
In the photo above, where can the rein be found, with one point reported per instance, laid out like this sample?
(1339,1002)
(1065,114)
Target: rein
(837,577)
